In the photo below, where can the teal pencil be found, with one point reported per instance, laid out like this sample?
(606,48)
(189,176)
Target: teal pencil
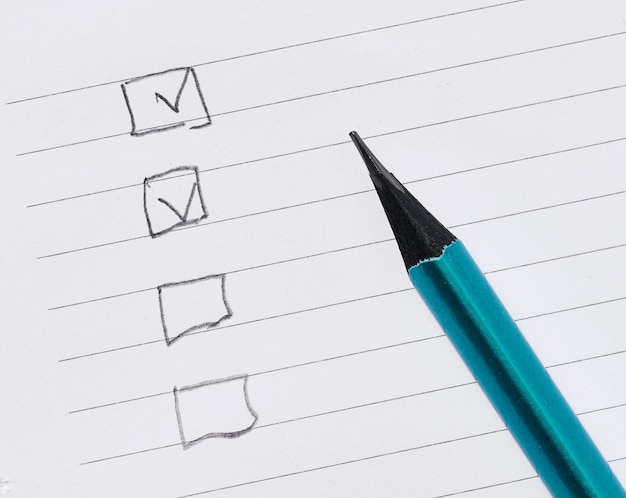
(492,346)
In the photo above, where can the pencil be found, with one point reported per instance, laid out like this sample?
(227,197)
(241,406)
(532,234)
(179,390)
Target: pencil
(491,345)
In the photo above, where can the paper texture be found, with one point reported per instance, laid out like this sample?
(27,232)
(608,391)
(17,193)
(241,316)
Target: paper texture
(506,119)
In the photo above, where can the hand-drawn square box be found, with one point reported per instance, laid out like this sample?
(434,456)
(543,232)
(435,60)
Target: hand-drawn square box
(193,306)
(173,199)
(215,408)
(162,101)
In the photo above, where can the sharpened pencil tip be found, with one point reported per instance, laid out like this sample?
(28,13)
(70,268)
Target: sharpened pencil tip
(379,174)
(419,235)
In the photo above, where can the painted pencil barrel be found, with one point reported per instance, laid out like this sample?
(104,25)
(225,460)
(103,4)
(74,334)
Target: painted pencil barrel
(511,375)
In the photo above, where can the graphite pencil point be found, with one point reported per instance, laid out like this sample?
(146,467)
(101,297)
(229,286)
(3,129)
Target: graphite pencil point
(420,236)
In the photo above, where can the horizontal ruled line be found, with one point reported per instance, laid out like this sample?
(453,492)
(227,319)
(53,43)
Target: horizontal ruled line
(324,253)
(257,320)
(373,83)
(358,460)
(339,464)
(504,483)
(333,412)
(490,486)
(279,49)
(297,419)
(295,206)
(433,177)
(307,310)
(405,450)
(349,301)
(357,353)
(274,370)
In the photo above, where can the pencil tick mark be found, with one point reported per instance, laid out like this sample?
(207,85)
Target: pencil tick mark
(182,217)
(169,205)
(176,106)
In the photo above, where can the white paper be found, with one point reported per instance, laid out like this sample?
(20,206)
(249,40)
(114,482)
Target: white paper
(506,119)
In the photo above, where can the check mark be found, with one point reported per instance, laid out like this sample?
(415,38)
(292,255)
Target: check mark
(175,107)
(182,217)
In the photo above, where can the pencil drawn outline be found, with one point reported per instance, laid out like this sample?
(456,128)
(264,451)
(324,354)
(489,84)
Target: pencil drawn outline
(175,107)
(201,326)
(228,435)
(196,188)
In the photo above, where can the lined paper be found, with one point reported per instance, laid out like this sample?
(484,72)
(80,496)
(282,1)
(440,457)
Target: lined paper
(504,118)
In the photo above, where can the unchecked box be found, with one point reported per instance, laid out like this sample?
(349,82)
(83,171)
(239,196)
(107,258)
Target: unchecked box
(212,409)
(193,306)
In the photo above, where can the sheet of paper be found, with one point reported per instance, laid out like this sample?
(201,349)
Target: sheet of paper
(200,294)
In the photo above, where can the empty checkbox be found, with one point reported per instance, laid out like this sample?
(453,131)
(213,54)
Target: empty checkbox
(215,408)
(192,306)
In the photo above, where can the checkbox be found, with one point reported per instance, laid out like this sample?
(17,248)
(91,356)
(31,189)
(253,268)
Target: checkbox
(215,408)
(173,199)
(193,306)
(166,100)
